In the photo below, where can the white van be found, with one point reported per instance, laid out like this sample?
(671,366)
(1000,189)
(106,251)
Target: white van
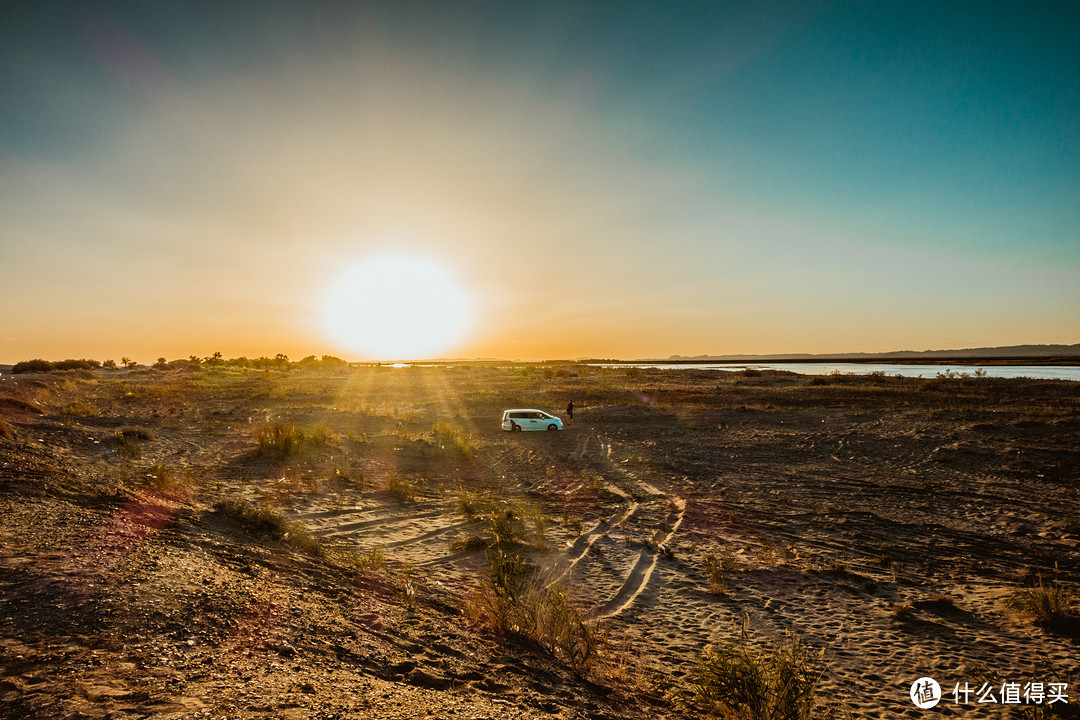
(517,420)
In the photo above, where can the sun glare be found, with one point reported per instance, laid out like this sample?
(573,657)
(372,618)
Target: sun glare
(397,307)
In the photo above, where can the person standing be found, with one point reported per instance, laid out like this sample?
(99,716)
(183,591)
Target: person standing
(570,410)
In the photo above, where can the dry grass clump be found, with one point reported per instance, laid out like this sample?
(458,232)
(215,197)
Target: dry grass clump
(717,569)
(5,429)
(470,505)
(402,488)
(506,522)
(469,543)
(371,561)
(901,612)
(447,435)
(78,408)
(265,520)
(515,603)
(160,478)
(127,440)
(1052,606)
(505,526)
(285,440)
(778,683)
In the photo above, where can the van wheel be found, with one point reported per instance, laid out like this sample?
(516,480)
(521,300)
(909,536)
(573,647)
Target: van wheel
(516,428)
(553,426)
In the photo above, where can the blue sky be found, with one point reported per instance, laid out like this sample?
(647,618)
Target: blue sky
(666,177)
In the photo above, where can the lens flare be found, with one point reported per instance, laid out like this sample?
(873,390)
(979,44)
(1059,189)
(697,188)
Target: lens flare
(397,307)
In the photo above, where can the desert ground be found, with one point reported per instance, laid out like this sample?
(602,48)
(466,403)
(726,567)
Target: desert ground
(203,540)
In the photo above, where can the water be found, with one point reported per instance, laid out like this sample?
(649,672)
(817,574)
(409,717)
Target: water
(1039,372)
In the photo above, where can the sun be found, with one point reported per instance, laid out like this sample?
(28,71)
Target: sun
(397,307)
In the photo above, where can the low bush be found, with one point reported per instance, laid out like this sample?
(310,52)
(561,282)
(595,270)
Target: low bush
(514,602)
(265,520)
(447,435)
(70,364)
(129,432)
(372,560)
(402,488)
(901,612)
(469,542)
(778,683)
(717,569)
(285,440)
(505,526)
(470,505)
(32,366)
(1052,606)
(79,408)
(160,478)
(127,440)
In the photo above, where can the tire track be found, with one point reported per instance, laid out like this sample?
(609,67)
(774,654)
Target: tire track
(585,542)
(638,578)
(640,574)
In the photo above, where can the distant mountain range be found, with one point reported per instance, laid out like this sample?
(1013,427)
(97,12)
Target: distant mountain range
(1007,351)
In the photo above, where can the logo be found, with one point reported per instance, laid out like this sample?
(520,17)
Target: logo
(925,693)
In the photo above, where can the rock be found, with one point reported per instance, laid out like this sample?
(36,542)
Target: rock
(284,649)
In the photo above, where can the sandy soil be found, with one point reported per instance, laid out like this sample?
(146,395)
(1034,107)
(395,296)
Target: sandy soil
(884,521)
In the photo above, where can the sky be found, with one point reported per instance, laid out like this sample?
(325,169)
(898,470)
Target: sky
(596,179)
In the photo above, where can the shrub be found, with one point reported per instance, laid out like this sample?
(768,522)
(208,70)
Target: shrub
(717,569)
(504,525)
(1052,606)
(456,437)
(469,542)
(901,612)
(286,440)
(70,364)
(469,505)
(31,366)
(44,366)
(160,478)
(513,602)
(158,475)
(79,409)
(370,561)
(403,489)
(127,439)
(131,432)
(265,520)
(774,684)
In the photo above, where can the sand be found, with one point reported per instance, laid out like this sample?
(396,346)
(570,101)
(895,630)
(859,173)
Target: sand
(883,521)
